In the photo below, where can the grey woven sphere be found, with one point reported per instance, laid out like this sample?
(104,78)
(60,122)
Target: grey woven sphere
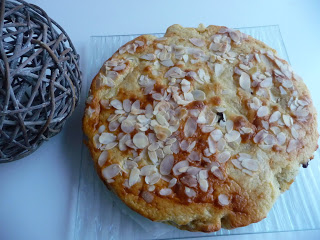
(40,80)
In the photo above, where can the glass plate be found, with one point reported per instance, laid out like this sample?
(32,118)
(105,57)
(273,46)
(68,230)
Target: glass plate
(100,215)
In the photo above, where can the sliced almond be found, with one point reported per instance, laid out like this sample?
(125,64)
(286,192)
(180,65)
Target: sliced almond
(190,127)
(134,176)
(229,126)
(189,180)
(165,191)
(190,192)
(263,111)
(221,144)
(223,200)
(197,42)
(172,182)
(236,163)
(182,164)
(153,156)
(260,136)
(294,133)
(293,145)
(216,135)
(204,185)
(103,158)
(223,157)
(275,117)
(250,164)
(194,157)
(288,121)
(281,137)
(218,69)
(153,178)
(266,83)
(212,145)
(106,138)
(217,172)
(244,81)
(147,196)
(140,140)
(162,132)
(116,104)
(113,126)
(127,126)
(232,136)
(101,129)
(111,171)
(167,63)
(149,57)
(199,95)
(166,165)
(148,170)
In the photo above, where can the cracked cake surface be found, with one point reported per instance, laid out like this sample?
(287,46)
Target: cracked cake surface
(203,128)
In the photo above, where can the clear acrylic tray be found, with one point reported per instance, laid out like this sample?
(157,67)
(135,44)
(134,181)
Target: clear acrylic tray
(100,215)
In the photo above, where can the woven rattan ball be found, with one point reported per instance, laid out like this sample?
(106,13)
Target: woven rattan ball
(40,80)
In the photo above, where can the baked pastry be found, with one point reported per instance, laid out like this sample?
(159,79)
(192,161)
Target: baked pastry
(202,128)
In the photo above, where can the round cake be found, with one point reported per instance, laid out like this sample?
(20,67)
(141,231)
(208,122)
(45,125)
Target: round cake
(202,129)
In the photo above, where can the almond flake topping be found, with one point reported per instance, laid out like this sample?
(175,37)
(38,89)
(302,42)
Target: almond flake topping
(212,146)
(103,158)
(153,156)
(260,136)
(197,42)
(217,172)
(199,95)
(140,140)
(288,121)
(111,171)
(218,69)
(223,157)
(223,200)
(263,111)
(180,167)
(172,182)
(147,196)
(236,163)
(250,164)
(204,185)
(152,178)
(116,104)
(293,145)
(190,127)
(281,137)
(266,83)
(148,57)
(275,117)
(162,132)
(166,165)
(148,170)
(244,81)
(106,138)
(232,136)
(190,192)
(151,133)
(216,135)
(165,191)
(294,133)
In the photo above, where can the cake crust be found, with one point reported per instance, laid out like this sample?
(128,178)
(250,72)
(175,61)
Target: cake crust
(202,129)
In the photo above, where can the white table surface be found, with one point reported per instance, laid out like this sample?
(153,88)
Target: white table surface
(36,192)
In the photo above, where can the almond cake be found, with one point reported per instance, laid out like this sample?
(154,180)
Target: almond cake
(202,129)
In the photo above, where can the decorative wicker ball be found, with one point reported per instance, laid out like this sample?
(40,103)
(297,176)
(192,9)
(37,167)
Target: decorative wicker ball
(40,80)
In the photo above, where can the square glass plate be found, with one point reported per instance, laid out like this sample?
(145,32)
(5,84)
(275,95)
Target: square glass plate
(100,215)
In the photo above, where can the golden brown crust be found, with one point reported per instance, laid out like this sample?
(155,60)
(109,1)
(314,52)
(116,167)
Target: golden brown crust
(236,160)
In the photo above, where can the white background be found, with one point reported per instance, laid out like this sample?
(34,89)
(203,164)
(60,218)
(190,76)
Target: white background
(36,192)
